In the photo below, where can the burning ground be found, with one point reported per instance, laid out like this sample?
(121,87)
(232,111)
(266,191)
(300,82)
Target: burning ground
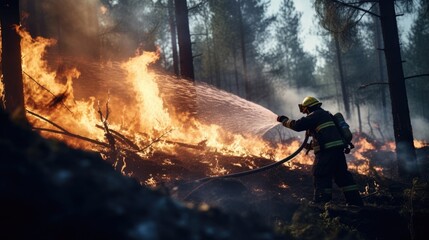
(151,136)
(51,191)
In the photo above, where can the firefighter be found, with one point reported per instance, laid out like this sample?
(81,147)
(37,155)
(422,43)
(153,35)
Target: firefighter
(328,146)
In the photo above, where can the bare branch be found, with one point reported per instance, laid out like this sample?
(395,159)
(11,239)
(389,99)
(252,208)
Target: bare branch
(365,13)
(358,8)
(197,5)
(380,83)
(416,76)
(374,83)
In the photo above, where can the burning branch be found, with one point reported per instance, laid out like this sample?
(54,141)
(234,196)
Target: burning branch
(113,153)
(121,138)
(108,135)
(154,141)
(49,121)
(63,130)
(57,99)
(72,135)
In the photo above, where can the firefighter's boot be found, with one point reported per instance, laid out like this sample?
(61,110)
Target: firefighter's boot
(322,195)
(351,193)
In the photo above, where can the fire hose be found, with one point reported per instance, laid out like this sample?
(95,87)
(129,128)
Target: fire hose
(253,171)
(261,169)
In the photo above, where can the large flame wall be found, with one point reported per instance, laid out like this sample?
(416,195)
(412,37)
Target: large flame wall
(143,115)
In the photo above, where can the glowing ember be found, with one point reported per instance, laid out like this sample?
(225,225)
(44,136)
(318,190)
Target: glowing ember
(420,144)
(103,10)
(150,182)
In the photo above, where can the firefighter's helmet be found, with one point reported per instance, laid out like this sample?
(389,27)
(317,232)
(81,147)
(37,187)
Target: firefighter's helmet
(307,103)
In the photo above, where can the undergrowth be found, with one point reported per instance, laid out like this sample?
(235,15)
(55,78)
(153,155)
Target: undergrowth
(308,223)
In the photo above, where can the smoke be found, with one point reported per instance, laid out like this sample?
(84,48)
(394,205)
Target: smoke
(92,30)
(75,25)
(420,128)
(404,156)
(289,98)
(370,120)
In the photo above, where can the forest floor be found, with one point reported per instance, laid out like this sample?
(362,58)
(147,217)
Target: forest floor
(50,191)
(280,197)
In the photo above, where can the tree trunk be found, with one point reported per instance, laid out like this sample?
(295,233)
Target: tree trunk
(405,151)
(237,85)
(359,116)
(172,23)
(11,58)
(381,65)
(243,54)
(184,37)
(342,80)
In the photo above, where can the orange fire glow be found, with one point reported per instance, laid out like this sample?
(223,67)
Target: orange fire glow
(144,117)
(420,143)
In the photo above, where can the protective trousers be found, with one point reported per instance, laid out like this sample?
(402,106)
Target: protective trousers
(331,164)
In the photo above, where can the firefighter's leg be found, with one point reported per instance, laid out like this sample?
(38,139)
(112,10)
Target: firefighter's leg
(352,195)
(322,189)
(344,179)
(322,172)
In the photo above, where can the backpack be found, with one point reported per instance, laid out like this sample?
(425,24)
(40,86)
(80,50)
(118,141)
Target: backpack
(344,130)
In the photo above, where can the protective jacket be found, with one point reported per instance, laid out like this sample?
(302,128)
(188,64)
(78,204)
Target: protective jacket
(320,125)
(328,144)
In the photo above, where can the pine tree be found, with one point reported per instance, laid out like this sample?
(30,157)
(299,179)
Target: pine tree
(292,63)
(417,62)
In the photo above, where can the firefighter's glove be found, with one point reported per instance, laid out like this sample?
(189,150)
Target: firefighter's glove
(282,119)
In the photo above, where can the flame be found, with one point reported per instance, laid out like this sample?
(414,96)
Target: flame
(145,118)
(361,163)
(300,160)
(42,88)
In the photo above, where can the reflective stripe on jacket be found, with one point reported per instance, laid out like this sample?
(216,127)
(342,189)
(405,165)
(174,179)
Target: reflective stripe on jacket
(321,127)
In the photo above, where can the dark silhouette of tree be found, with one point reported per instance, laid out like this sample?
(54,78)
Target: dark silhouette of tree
(341,77)
(173,34)
(405,150)
(11,58)
(184,39)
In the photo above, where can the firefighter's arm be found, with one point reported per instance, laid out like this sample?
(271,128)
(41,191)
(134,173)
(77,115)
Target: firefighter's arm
(285,121)
(301,124)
